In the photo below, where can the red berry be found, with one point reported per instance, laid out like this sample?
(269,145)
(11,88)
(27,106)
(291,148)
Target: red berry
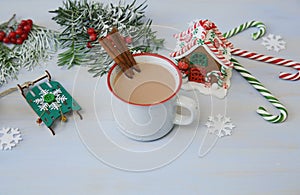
(12,34)
(93,37)
(89,45)
(29,22)
(2,33)
(90,31)
(27,28)
(23,23)
(6,40)
(13,40)
(24,36)
(19,31)
(19,41)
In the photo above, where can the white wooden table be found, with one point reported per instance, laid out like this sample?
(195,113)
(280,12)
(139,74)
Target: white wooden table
(91,157)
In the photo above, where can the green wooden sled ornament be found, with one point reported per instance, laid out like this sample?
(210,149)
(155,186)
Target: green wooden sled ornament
(49,100)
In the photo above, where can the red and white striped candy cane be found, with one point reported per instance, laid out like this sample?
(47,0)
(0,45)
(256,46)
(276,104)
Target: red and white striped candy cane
(218,54)
(271,60)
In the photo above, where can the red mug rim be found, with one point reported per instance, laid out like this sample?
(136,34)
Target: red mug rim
(138,104)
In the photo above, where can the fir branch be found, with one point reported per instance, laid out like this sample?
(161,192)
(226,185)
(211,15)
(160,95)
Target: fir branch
(8,67)
(41,45)
(76,16)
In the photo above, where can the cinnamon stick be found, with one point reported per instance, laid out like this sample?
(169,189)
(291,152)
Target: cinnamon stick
(115,55)
(123,47)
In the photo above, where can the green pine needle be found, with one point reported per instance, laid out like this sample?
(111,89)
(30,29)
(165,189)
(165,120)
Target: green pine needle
(72,56)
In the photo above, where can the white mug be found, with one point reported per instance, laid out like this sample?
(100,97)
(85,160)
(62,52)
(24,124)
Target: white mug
(148,122)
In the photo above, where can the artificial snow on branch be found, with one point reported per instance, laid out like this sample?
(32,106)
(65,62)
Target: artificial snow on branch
(76,17)
(24,44)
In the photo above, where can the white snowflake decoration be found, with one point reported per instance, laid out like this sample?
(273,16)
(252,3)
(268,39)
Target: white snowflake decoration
(9,137)
(273,42)
(55,105)
(220,125)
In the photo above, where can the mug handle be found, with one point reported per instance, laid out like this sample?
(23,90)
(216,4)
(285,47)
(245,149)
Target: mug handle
(190,105)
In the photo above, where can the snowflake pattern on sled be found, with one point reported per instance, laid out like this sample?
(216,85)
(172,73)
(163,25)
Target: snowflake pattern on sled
(49,100)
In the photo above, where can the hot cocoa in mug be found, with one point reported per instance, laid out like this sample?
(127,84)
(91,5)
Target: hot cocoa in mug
(152,85)
(144,106)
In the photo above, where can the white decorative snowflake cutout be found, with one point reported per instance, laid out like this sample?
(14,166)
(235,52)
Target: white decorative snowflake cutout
(219,125)
(9,137)
(272,42)
(50,100)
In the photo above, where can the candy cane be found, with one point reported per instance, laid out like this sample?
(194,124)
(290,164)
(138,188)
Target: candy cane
(218,54)
(217,74)
(261,29)
(272,60)
(264,92)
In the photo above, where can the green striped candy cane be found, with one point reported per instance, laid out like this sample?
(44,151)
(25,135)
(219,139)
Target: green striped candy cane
(261,29)
(264,92)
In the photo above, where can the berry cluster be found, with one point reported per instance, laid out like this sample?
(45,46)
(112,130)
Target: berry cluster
(17,36)
(92,36)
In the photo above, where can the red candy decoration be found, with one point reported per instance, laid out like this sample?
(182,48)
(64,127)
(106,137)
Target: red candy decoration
(183,65)
(196,75)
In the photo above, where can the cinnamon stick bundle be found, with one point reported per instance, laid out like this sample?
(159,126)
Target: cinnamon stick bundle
(117,49)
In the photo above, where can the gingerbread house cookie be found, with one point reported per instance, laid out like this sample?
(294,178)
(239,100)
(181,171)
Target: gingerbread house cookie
(203,56)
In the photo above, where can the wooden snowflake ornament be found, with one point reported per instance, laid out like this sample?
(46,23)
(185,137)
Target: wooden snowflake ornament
(9,138)
(273,42)
(220,125)
(49,100)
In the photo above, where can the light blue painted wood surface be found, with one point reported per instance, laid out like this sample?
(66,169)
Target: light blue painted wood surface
(259,158)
